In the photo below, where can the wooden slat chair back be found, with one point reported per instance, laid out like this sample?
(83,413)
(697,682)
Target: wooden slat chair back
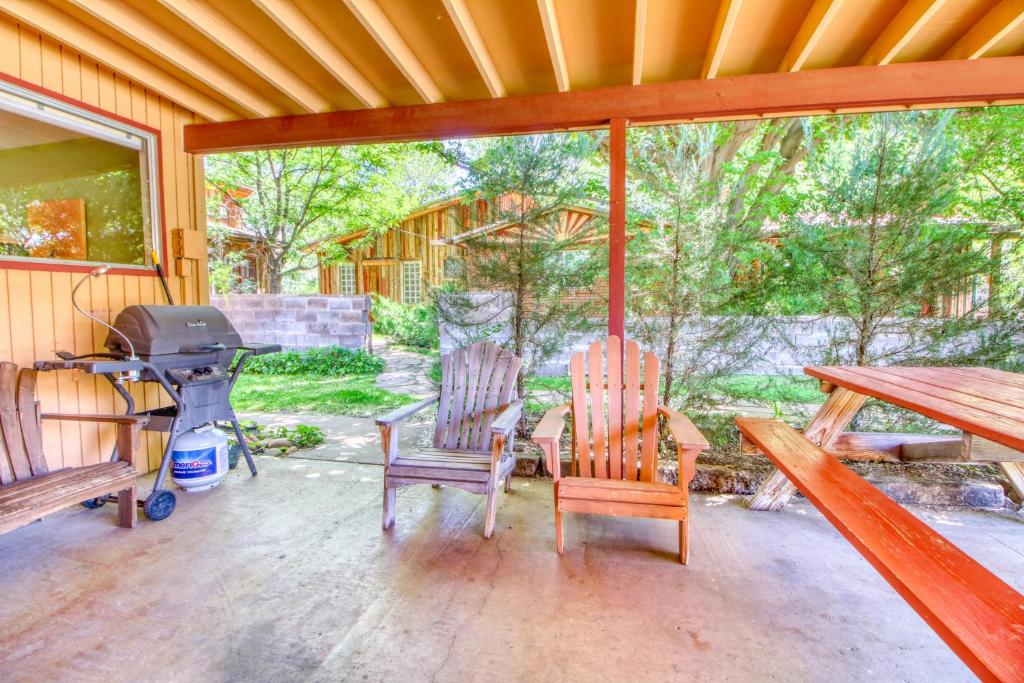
(615,412)
(614,415)
(476,382)
(476,417)
(28,488)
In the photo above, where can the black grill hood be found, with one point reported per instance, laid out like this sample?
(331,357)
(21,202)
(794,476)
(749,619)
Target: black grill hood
(165,330)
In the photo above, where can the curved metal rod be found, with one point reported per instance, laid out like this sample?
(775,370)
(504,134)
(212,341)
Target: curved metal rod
(97,272)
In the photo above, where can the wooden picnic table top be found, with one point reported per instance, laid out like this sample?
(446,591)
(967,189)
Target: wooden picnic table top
(981,401)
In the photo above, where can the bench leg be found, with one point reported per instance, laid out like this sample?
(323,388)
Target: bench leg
(388,518)
(508,482)
(126,509)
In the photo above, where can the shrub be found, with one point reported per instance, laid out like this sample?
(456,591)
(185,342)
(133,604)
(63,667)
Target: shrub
(410,325)
(325,361)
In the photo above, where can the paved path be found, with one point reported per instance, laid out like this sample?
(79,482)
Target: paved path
(405,372)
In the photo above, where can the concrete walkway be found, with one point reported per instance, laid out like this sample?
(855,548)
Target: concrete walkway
(288,577)
(405,372)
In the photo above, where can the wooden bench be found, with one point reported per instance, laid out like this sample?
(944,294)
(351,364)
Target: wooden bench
(977,614)
(28,489)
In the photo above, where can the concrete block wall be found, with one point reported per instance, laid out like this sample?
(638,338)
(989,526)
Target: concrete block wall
(298,322)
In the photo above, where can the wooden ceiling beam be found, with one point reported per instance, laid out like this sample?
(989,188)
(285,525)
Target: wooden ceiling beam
(728,12)
(306,35)
(911,19)
(813,27)
(553,36)
(639,34)
(216,28)
(989,30)
(384,32)
(862,88)
(122,18)
(466,27)
(51,21)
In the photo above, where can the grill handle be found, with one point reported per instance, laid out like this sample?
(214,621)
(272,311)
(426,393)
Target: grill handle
(204,348)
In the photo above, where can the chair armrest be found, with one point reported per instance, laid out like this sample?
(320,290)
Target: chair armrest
(508,419)
(683,432)
(118,419)
(549,429)
(399,414)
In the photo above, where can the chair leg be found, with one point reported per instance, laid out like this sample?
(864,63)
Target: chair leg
(126,512)
(684,542)
(508,482)
(492,509)
(559,537)
(388,519)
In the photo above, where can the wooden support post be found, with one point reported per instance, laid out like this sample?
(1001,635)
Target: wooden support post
(832,418)
(617,230)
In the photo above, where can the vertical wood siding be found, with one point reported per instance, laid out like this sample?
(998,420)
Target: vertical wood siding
(36,317)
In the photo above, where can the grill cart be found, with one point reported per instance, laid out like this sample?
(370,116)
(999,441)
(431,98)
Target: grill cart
(187,350)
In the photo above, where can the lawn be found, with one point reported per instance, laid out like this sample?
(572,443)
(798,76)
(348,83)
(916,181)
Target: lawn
(353,395)
(760,388)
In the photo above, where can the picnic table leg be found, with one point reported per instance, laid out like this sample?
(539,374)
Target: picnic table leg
(829,422)
(1015,473)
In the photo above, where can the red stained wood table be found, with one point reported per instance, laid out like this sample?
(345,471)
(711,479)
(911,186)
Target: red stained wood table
(986,404)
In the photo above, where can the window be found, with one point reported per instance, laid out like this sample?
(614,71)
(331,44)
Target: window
(412,287)
(347,279)
(74,185)
(453,267)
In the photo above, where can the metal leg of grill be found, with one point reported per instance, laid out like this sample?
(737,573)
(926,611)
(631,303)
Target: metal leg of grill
(243,445)
(165,463)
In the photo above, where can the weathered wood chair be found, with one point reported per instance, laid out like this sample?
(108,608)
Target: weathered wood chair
(28,490)
(476,417)
(615,443)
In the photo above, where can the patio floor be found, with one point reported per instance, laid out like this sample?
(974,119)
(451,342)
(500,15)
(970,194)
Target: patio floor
(288,577)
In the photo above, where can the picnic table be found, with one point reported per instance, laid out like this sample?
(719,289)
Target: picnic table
(986,404)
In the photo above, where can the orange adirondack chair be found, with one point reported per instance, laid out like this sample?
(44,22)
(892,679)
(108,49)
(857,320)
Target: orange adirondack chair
(615,442)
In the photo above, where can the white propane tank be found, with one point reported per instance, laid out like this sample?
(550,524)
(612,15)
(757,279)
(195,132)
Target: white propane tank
(200,458)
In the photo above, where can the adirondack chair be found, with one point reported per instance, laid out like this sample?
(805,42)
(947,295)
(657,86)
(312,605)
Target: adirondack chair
(28,489)
(615,443)
(476,417)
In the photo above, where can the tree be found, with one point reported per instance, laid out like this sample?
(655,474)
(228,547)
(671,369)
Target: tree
(528,267)
(880,235)
(302,196)
(703,194)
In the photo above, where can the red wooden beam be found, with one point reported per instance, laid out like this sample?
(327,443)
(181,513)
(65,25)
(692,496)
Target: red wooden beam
(996,79)
(617,230)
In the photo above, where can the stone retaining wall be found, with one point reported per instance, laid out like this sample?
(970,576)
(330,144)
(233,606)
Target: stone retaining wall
(298,322)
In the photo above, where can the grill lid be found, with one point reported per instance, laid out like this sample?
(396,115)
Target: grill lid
(163,330)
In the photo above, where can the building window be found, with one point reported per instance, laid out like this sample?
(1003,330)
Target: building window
(453,267)
(74,185)
(412,286)
(347,279)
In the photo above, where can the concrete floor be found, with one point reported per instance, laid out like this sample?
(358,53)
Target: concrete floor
(288,577)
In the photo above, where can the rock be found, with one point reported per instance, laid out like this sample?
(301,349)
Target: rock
(291,450)
(257,444)
(272,451)
(919,491)
(527,467)
(280,443)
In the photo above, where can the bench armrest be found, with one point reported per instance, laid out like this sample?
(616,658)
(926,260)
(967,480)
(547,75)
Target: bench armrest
(547,434)
(508,419)
(683,432)
(117,419)
(395,416)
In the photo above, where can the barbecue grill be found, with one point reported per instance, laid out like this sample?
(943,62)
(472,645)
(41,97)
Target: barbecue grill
(187,350)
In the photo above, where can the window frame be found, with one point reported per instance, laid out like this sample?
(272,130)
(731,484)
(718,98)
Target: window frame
(40,104)
(419,283)
(342,268)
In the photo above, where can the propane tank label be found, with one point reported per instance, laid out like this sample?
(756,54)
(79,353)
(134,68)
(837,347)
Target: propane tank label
(194,464)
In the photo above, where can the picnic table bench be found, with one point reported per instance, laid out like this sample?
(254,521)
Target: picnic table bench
(977,614)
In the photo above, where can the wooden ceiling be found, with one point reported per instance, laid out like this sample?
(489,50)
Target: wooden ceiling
(246,59)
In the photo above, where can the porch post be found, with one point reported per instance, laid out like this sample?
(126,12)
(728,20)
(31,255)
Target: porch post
(617,229)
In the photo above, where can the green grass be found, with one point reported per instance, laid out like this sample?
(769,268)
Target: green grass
(353,395)
(766,388)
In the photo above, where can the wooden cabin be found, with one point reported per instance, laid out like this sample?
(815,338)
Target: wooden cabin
(230,239)
(432,245)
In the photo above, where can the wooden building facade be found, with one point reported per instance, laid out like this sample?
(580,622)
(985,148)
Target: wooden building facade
(36,316)
(430,246)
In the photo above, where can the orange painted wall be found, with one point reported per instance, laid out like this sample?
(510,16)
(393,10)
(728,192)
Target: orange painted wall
(36,317)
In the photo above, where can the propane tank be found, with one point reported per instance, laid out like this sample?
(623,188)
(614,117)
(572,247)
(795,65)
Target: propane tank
(199,460)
